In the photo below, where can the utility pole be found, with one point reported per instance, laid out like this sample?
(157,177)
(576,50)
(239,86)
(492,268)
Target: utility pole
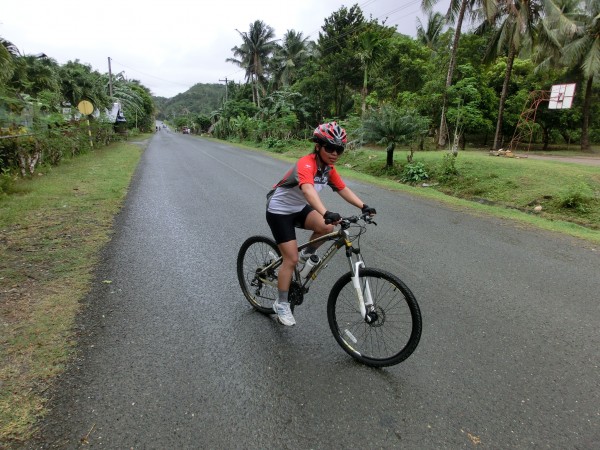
(225,80)
(110,90)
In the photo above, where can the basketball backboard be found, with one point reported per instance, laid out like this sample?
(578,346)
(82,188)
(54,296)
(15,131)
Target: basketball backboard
(561,96)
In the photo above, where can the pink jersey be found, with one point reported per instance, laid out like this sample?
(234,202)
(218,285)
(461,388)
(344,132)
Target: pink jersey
(286,197)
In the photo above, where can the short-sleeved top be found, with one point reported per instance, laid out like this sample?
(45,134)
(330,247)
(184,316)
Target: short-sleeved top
(286,197)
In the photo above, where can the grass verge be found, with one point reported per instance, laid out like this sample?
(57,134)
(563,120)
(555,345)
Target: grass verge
(51,232)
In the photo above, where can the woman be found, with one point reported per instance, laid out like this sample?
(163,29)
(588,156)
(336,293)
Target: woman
(295,202)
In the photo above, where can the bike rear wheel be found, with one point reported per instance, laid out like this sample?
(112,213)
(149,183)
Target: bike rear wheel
(259,288)
(395,330)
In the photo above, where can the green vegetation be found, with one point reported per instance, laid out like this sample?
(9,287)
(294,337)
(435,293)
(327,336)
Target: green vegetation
(461,89)
(51,229)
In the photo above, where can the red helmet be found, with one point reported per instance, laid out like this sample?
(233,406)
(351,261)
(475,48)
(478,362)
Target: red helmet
(330,133)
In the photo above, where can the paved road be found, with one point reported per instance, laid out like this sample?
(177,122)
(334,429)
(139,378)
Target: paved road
(174,357)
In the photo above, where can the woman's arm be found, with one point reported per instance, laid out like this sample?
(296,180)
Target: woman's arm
(312,197)
(351,197)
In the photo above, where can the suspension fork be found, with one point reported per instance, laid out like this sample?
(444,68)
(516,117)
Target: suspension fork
(365,299)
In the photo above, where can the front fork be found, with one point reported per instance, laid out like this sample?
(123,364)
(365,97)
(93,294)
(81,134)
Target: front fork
(365,299)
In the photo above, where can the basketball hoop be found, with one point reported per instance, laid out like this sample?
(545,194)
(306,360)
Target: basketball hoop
(561,96)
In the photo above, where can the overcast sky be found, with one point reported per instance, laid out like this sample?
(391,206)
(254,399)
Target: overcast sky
(171,45)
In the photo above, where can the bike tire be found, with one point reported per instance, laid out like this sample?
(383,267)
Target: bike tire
(257,252)
(391,338)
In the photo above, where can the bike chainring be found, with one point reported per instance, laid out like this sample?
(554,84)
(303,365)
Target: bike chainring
(295,294)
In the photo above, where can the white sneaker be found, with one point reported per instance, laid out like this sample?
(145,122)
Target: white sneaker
(284,313)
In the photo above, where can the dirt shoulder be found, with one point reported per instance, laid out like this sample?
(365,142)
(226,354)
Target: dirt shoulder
(588,160)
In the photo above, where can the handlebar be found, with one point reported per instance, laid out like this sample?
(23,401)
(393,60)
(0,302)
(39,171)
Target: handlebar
(347,221)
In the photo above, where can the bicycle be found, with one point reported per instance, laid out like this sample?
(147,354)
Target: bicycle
(372,314)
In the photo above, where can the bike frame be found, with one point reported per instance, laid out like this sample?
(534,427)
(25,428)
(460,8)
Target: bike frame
(341,239)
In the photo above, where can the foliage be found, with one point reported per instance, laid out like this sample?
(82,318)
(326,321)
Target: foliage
(391,126)
(579,197)
(414,172)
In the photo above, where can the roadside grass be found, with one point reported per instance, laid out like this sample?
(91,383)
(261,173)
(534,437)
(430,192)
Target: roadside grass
(51,231)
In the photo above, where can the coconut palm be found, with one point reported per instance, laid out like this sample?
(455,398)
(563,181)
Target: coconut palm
(371,46)
(429,35)
(574,27)
(515,22)
(456,14)
(35,73)
(290,56)
(8,51)
(258,45)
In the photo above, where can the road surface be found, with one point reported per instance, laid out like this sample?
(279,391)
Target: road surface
(172,355)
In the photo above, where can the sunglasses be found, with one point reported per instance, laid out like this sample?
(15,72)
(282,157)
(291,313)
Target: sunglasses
(333,149)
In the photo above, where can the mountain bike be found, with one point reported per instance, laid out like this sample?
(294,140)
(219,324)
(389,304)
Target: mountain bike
(372,314)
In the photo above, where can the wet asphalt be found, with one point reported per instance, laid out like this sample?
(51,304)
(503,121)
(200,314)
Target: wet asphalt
(172,356)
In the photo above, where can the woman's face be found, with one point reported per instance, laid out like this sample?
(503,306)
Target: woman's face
(327,154)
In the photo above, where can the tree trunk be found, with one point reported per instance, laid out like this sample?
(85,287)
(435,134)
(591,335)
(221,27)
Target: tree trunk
(509,65)
(443,128)
(390,155)
(545,137)
(364,94)
(585,123)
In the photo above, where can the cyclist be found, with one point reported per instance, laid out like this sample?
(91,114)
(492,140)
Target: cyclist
(294,202)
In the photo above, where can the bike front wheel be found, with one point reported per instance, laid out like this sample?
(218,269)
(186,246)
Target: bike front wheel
(258,285)
(393,330)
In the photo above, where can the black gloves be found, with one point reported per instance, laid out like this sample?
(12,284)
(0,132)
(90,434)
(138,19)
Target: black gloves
(368,210)
(331,217)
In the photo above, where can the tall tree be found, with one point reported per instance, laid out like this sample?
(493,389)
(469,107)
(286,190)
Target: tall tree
(78,82)
(290,56)
(516,26)
(372,44)
(574,27)
(8,51)
(456,13)
(339,62)
(430,34)
(258,45)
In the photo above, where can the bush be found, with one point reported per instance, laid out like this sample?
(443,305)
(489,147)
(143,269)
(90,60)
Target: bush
(275,144)
(414,172)
(6,182)
(579,198)
(448,168)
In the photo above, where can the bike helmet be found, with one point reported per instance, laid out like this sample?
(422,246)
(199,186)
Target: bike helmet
(330,133)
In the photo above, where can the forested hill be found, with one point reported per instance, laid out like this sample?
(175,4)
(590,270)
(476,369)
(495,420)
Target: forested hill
(199,99)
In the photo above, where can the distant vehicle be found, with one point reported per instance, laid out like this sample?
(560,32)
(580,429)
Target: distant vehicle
(185,130)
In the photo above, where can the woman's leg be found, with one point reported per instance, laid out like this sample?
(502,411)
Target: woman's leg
(315,222)
(289,252)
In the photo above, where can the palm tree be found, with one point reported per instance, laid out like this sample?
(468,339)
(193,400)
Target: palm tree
(8,51)
(516,26)
(435,24)
(34,74)
(372,44)
(290,56)
(576,31)
(456,13)
(391,126)
(258,44)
